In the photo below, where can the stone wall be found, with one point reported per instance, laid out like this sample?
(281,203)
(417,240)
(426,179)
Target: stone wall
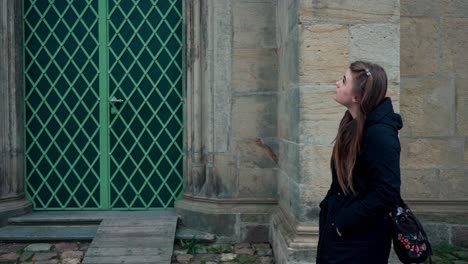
(434,107)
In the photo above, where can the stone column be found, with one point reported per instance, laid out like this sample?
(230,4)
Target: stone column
(12,198)
(230,124)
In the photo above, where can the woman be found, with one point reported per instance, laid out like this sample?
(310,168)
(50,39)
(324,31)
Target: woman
(365,168)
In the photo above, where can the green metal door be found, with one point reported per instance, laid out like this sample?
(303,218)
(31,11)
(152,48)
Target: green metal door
(103,104)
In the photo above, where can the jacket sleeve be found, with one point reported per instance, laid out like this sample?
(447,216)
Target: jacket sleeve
(382,157)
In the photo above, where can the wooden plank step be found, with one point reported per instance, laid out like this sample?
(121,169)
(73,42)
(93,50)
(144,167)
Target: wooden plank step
(140,240)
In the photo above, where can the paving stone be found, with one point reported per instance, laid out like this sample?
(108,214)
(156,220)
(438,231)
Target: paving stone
(50,261)
(189,234)
(39,247)
(71,261)
(73,254)
(228,256)
(184,258)
(64,246)
(26,255)
(44,256)
(10,247)
(207,257)
(244,251)
(180,251)
(8,256)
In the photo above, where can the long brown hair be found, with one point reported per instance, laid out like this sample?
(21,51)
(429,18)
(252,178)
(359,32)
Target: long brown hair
(370,84)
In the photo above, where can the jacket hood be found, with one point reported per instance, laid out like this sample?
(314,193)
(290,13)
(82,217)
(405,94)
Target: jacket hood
(384,114)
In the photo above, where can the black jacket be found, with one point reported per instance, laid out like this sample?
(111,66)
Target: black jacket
(360,218)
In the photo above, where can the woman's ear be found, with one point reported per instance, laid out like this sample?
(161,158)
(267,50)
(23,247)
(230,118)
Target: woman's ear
(355,99)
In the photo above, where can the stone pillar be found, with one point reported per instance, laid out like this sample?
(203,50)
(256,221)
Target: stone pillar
(230,124)
(12,199)
(317,40)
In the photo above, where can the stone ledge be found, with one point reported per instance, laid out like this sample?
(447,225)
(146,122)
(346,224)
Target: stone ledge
(12,208)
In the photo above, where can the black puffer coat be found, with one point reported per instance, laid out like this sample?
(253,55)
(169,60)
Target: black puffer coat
(360,218)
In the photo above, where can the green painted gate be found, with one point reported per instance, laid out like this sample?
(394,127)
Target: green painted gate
(103,104)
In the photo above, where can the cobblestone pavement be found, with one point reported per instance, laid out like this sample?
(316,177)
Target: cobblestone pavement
(185,253)
(223,253)
(42,253)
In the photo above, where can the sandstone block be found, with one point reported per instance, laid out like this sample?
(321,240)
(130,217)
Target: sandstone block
(257,154)
(427,107)
(254,70)
(378,43)
(422,8)
(315,169)
(254,24)
(257,183)
(432,153)
(349,11)
(254,116)
(323,53)
(224,173)
(455,51)
(289,115)
(320,115)
(419,46)
(460,236)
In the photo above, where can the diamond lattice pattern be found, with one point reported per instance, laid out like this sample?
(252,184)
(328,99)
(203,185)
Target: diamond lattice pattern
(61,104)
(145,58)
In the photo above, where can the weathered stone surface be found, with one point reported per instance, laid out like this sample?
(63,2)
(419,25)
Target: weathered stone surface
(315,170)
(466,154)
(64,246)
(420,184)
(461,86)
(71,261)
(254,24)
(283,189)
(455,51)
(243,249)
(255,218)
(40,247)
(265,260)
(72,254)
(437,233)
(427,107)
(348,11)
(378,43)
(44,256)
(432,153)
(290,159)
(257,183)
(188,234)
(253,116)
(419,46)
(289,115)
(254,70)
(50,261)
(320,115)
(257,154)
(224,175)
(254,233)
(460,236)
(228,256)
(12,256)
(447,8)
(184,258)
(324,53)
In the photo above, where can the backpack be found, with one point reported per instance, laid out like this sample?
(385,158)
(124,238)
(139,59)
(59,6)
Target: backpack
(410,241)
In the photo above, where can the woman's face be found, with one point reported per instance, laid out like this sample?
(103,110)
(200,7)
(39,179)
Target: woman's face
(344,90)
